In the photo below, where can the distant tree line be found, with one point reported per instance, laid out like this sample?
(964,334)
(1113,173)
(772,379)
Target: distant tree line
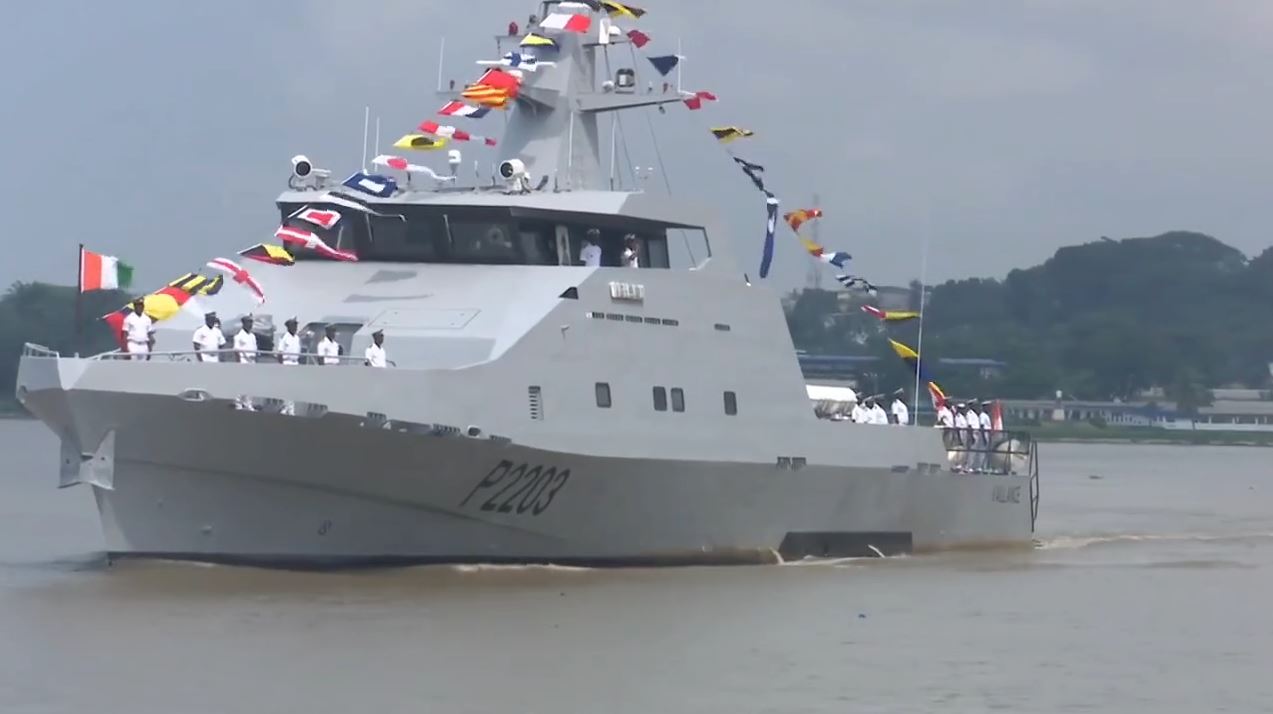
(1108,319)
(45,314)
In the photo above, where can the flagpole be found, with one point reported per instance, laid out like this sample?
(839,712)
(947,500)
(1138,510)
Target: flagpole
(923,289)
(366,125)
(441,56)
(377,136)
(79,290)
(680,65)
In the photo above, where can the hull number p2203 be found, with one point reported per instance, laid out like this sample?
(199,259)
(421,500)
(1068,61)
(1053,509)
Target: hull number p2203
(519,488)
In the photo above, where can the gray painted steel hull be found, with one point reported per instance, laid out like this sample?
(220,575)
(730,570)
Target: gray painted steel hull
(203,481)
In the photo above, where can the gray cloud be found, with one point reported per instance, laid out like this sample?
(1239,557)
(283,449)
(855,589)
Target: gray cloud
(160,131)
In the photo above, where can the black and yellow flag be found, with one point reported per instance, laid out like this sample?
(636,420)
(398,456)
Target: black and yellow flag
(726,134)
(420,142)
(618,9)
(267,253)
(197,284)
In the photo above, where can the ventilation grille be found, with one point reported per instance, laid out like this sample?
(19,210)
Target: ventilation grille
(536,398)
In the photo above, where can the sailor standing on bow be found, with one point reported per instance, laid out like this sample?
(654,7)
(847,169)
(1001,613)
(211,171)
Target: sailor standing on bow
(245,342)
(289,345)
(245,348)
(901,414)
(328,349)
(375,354)
(208,339)
(289,353)
(136,330)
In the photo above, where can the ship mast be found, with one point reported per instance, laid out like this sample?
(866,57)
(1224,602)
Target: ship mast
(553,124)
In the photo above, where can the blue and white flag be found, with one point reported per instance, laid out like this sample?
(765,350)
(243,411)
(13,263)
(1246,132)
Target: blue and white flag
(372,184)
(518,61)
(767,253)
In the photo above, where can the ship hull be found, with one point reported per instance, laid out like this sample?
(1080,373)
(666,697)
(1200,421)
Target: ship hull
(203,481)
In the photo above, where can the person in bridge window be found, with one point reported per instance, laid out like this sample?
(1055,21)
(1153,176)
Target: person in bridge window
(901,415)
(375,354)
(328,349)
(136,331)
(208,339)
(590,254)
(631,251)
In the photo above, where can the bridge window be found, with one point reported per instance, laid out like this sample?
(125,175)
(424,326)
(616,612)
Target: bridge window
(678,399)
(660,399)
(603,395)
(731,403)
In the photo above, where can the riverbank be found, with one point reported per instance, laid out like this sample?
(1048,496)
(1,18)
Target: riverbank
(1094,434)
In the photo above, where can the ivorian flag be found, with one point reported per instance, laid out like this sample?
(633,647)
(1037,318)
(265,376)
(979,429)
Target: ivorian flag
(103,272)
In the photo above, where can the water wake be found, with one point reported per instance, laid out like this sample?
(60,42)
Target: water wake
(1075,542)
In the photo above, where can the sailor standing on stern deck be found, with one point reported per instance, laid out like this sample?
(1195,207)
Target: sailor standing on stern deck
(136,330)
(901,415)
(208,339)
(375,353)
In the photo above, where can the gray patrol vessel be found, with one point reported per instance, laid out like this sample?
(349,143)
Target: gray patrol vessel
(535,409)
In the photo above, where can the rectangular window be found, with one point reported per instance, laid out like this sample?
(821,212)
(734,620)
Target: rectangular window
(731,403)
(632,318)
(678,399)
(670,323)
(603,395)
(722,327)
(660,399)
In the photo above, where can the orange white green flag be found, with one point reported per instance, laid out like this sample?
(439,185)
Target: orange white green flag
(103,272)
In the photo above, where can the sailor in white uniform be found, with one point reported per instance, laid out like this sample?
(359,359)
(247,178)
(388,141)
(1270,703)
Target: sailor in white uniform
(245,349)
(289,345)
(976,442)
(631,251)
(590,254)
(208,339)
(137,327)
(901,415)
(328,349)
(860,414)
(987,428)
(245,342)
(289,353)
(961,436)
(874,412)
(375,354)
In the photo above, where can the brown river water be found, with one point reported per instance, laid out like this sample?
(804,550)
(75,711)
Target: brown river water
(1150,590)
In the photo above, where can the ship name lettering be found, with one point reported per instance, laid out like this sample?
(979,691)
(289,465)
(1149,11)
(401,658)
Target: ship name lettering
(519,488)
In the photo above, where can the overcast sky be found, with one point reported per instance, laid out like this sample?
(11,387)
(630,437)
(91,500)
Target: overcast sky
(160,131)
